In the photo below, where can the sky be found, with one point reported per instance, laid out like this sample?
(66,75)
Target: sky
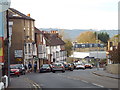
(71,14)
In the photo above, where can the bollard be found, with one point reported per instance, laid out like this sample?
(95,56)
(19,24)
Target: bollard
(6,83)
(1,86)
(4,79)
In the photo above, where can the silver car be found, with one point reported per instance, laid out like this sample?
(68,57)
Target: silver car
(58,67)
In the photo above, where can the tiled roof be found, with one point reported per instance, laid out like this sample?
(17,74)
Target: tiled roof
(15,14)
(38,31)
(53,39)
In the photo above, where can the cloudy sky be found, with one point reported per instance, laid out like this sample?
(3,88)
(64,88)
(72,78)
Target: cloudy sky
(71,14)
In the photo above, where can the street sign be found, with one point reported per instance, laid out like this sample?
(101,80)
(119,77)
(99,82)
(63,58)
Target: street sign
(18,53)
(4,5)
(18,59)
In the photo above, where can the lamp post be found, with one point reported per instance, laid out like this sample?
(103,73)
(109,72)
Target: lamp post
(4,5)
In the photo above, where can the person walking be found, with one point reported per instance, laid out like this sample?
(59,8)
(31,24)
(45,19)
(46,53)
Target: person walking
(35,67)
(25,66)
(30,67)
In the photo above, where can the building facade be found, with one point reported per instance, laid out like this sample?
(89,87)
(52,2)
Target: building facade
(50,47)
(23,44)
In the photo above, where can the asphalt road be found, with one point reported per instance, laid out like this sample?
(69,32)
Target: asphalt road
(72,79)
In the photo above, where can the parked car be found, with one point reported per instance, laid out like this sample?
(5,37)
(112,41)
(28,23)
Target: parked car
(80,66)
(75,64)
(58,67)
(69,66)
(22,68)
(88,65)
(14,70)
(45,68)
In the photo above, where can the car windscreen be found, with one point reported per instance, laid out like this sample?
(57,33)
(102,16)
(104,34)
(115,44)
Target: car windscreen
(19,65)
(45,65)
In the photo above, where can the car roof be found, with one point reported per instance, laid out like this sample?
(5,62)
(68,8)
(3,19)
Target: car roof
(57,63)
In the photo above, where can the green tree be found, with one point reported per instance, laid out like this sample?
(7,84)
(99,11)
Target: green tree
(104,37)
(68,46)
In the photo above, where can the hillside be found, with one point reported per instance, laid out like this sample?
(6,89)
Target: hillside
(75,32)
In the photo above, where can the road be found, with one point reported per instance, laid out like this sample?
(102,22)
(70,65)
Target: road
(69,79)
(73,79)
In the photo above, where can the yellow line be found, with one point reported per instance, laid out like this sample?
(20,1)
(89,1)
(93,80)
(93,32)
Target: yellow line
(33,83)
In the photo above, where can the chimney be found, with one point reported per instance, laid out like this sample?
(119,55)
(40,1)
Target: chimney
(28,15)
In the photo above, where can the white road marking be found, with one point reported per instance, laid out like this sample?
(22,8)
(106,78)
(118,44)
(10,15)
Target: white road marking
(84,81)
(97,85)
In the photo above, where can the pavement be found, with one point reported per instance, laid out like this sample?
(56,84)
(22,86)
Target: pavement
(104,73)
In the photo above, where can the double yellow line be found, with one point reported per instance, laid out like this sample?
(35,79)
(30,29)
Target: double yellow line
(35,85)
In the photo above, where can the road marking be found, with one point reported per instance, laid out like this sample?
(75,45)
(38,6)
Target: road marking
(97,85)
(84,81)
(33,83)
(37,85)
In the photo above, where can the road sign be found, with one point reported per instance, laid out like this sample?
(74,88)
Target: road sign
(4,5)
(19,53)
(18,59)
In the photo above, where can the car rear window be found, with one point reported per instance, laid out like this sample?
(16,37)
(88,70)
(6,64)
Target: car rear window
(57,65)
(13,67)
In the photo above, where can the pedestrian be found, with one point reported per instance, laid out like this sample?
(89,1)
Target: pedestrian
(30,67)
(25,67)
(35,67)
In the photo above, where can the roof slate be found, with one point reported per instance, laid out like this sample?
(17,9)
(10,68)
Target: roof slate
(15,14)
(38,31)
(53,39)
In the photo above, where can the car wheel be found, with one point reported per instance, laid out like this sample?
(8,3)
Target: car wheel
(24,73)
(53,71)
(63,71)
(18,75)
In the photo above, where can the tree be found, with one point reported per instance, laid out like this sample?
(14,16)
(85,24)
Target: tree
(115,39)
(68,42)
(104,37)
(115,54)
(86,37)
(68,46)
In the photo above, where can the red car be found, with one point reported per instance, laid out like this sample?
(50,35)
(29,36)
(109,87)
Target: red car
(88,66)
(14,70)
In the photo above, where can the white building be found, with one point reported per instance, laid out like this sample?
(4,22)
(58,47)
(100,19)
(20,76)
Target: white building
(50,47)
(95,54)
